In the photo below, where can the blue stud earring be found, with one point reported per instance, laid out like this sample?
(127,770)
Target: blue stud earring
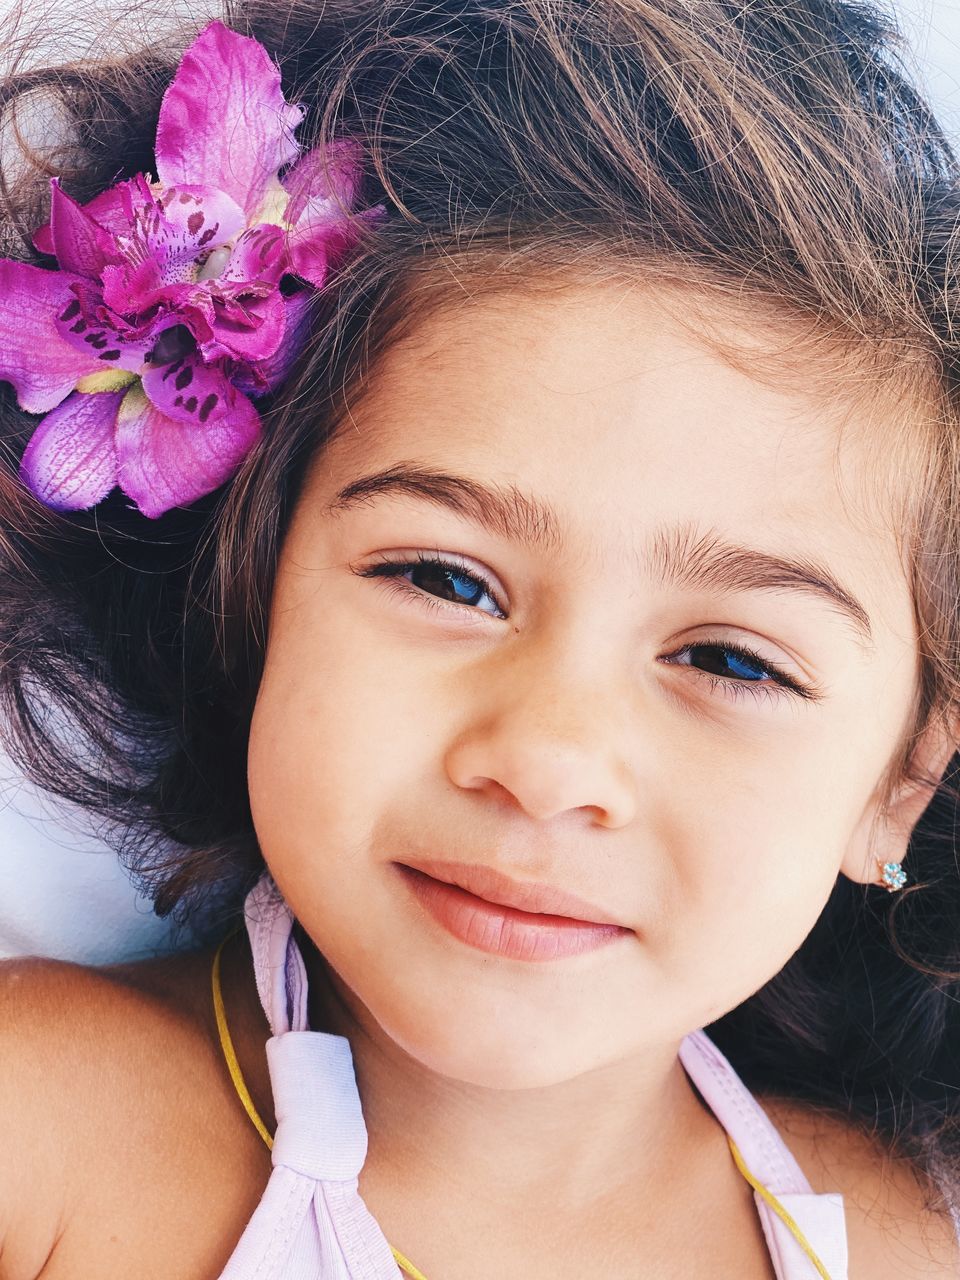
(892,875)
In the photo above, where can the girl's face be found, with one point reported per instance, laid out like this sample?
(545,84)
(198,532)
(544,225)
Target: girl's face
(584,721)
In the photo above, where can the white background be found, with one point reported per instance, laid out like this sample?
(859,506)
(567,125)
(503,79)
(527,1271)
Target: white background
(62,892)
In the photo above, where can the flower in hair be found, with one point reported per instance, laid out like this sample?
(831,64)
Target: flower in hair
(166,320)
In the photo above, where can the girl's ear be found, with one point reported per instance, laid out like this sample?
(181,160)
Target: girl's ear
(886,835)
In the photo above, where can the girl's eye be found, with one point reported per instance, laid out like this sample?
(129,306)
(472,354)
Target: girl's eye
(446,583)
(736,670)
(731,669)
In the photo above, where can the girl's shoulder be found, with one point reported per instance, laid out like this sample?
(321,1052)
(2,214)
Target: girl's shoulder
(894,1227)
(121,1139)
(119,1134)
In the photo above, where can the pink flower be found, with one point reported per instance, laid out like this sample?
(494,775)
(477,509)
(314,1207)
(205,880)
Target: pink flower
(166,319)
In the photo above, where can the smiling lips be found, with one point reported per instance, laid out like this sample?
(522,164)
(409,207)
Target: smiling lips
(493,913)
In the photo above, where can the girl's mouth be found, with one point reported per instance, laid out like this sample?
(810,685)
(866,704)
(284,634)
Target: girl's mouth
(506,931)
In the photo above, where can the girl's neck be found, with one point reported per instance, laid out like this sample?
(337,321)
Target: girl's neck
(639,1124)
(454,1173)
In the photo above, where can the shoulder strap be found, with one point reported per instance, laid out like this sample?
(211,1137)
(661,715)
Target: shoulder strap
(278,965)
(764,1151)
(311,1223)
(805,1231)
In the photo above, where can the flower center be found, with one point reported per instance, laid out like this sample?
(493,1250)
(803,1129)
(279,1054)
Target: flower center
(173,344)
(215,263)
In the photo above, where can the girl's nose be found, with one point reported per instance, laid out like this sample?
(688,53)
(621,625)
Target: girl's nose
(548,746)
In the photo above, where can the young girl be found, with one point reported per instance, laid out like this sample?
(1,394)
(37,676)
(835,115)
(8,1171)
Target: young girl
(481,521)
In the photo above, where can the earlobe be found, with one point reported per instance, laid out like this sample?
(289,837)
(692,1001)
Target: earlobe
(883,838)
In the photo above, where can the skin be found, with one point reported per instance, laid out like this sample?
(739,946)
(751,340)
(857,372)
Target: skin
(558,733)
(537,1111)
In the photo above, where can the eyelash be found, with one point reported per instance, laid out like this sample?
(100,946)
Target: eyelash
(390,571)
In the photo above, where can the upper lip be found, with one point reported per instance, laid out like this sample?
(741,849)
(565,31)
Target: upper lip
(524,895)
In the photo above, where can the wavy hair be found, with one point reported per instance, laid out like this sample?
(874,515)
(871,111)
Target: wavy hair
(775,158)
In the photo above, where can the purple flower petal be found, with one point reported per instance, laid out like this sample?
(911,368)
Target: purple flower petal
(176,283)
(184,224)
(314,245)
(70,462)
(33,357)
(321,239)
(224,121)
(258,256)
(258,378)
(88,326)
(81,246)
(153,307)
(245,327)
(306,180)
(133,294)
(43,239)
(188,390)
(109,210)
(164,463)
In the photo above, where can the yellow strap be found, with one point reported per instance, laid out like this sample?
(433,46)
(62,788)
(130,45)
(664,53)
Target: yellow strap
(778,1209)
(407,1266)
(236,1075)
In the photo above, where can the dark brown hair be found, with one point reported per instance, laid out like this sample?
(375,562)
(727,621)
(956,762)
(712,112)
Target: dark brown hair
(772,157)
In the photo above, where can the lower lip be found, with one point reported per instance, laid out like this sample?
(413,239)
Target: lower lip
(505,931)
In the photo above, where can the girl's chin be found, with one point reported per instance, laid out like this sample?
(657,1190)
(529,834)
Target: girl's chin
(505,1056)
(499,1069)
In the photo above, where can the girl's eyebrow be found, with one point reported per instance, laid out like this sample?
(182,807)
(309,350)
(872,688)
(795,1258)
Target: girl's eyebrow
(680,554)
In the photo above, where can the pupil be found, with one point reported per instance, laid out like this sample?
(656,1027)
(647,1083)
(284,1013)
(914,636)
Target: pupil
(720,661)
(441,582)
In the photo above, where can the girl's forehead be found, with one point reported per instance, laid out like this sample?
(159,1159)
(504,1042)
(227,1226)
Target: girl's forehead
(608,342)
(616,397)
